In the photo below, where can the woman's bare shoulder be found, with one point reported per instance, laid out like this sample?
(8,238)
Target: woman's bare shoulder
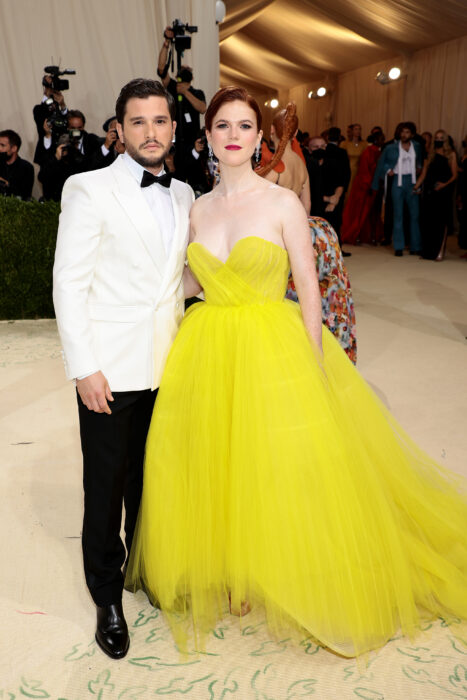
(200,205)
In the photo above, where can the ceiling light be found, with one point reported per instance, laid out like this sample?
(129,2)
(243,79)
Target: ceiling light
(310,94)
(220,11)
(321,91)
(395,73)
(274,103)
(382,78)
(266,104)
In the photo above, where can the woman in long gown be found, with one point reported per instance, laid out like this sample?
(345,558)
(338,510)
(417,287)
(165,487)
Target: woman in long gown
(354,147)
(273,473)
(437,177)
(361,219)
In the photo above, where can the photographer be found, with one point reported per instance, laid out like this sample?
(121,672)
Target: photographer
(110,149)
(74,152)
(189,101)
(195,169)
(42,113)
(16,174)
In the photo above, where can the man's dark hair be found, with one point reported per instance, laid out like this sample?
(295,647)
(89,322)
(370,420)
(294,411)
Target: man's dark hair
(334,134)
(376,128)
(77,114)
(143,88)
(410,126)
(12,136)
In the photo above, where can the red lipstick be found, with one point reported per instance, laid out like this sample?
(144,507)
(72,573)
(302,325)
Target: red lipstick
(233,148)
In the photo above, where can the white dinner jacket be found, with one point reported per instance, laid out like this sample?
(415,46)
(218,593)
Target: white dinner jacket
(118,297)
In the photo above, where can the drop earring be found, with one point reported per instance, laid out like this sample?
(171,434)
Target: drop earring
(212,158)
(258,152)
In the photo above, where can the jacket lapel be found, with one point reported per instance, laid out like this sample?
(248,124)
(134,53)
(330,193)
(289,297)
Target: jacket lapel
(129,196)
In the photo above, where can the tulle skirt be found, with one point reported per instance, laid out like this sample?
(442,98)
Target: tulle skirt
(275,474)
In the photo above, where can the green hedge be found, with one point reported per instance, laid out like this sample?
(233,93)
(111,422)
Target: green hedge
(28,231)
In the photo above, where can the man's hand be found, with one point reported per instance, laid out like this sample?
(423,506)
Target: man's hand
(110,138)
(390,173)
(2,179)
(330,207)
(168,33)
(182,88)
(95,392)
(59,152)
(59,99)
(199,144)
(48,90)
(47,129)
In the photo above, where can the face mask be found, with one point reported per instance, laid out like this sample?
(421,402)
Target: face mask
(438,144)
(318,153)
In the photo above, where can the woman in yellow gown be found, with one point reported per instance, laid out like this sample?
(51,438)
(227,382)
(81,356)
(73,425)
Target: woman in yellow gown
(273,473)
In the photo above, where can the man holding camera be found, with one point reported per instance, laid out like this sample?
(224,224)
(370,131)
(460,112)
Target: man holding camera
(110,149)
(189,101)
(42,113)
(16,174)
(67,152)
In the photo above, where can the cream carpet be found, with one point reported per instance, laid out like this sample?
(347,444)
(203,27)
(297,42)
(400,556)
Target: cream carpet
(412,328)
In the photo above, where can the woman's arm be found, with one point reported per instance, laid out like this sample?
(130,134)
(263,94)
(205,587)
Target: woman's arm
(191,285)
(297,239)
(305,196)
(422,176)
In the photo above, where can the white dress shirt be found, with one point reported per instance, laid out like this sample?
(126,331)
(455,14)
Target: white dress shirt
(159,200)
(406,163)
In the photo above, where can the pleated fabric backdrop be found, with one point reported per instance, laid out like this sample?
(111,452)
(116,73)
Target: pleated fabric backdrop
(432,94)
(108,43)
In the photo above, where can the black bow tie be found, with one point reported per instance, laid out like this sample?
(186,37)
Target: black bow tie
(150,179)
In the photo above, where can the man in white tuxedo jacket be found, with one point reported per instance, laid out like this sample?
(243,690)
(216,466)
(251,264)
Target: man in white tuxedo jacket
(119,298)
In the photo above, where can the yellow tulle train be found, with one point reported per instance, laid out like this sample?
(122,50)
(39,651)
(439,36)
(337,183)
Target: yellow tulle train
(276,474)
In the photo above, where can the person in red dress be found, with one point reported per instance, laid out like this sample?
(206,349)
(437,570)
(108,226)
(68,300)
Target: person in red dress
(361,220)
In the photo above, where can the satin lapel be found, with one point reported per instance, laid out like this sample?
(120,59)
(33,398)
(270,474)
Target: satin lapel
(129,196)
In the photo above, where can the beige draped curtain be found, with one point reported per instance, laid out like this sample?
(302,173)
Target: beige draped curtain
(431,93)
(107,42)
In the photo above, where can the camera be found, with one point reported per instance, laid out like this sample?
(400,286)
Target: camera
(181,40)
(56,83)
(70,139)
(57,121)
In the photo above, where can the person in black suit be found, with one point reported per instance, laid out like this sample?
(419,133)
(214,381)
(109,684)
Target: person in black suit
(189,101)
(110,149)
(74,153)
(42,113)
(329,179)
(333,150)
(16,174)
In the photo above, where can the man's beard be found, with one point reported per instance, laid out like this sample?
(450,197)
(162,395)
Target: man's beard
(147,161)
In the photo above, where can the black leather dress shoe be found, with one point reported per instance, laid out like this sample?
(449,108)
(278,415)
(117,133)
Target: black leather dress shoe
(112,631)
(398,253)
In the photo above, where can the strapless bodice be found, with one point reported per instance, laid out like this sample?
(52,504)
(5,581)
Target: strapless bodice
(255,272)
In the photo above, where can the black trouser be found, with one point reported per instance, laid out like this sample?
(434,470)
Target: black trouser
(113,456)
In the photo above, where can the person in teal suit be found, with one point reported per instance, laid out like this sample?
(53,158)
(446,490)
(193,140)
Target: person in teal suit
(403,159)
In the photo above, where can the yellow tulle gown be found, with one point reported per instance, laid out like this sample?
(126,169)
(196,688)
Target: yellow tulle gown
(277,475)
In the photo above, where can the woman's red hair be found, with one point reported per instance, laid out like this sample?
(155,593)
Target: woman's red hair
(231,94)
